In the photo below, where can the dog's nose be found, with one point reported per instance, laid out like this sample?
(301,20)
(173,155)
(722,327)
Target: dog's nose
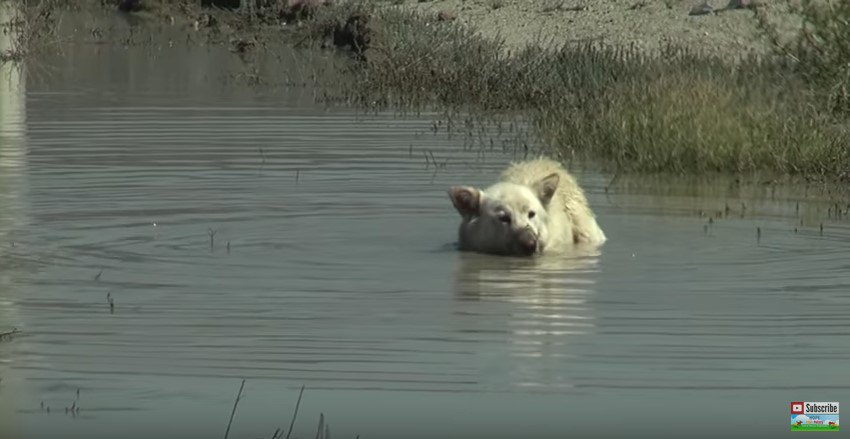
(528,242)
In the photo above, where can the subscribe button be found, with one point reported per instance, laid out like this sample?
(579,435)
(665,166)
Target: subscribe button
(814,416)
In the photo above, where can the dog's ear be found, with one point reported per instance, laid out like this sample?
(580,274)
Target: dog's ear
(466,200)
(545,187)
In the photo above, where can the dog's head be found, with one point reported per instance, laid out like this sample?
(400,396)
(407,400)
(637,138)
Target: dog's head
(506,218)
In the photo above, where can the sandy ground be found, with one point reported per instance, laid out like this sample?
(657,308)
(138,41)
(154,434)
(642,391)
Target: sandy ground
(648,24)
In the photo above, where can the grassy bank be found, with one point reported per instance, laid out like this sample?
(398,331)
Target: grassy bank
(670,111)
(673,110)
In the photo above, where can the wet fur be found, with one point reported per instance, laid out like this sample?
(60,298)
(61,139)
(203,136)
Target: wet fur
(562,216)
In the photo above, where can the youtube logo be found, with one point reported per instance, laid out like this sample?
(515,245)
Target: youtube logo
(797,408)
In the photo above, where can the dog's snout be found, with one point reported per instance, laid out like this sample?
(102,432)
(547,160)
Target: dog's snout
(527,241)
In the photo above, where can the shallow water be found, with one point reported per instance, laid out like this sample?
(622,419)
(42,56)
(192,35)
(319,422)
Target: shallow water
(331,265)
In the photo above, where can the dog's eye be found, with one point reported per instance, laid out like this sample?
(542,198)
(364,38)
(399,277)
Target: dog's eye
(531,214)
(505,218)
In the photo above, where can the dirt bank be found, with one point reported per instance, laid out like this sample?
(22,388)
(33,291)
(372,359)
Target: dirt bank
(645,23)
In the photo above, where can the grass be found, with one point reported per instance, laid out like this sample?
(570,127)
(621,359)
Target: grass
(674,111)
(323,430)
(28,28)
(688,117)
(812,427)
(821,49)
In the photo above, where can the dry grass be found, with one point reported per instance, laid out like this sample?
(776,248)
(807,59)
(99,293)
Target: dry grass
(821,50)
(687,121)
(675,111)
(30,26)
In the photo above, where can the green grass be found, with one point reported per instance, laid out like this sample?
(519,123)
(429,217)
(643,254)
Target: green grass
(813,427)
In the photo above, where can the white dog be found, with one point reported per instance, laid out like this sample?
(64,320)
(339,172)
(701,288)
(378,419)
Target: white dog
(536,205)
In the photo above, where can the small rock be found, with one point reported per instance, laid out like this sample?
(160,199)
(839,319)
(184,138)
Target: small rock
(701,9)
(206,20)
(298,9)
(355,33)
(130,5)
(239,45)
(226,4)
(446,16)
(744,4)
(295,4)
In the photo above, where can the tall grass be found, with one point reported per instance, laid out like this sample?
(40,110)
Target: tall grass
(674,110)
(820,50)
(27,27)
(683,114)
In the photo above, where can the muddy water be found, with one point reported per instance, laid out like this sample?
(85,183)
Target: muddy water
(247,232)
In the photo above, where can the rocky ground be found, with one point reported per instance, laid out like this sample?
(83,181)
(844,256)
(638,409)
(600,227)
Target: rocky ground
(724,27)
(648,24)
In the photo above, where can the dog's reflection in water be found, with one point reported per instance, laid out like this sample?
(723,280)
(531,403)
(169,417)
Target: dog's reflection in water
(526,314)
(527,280)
